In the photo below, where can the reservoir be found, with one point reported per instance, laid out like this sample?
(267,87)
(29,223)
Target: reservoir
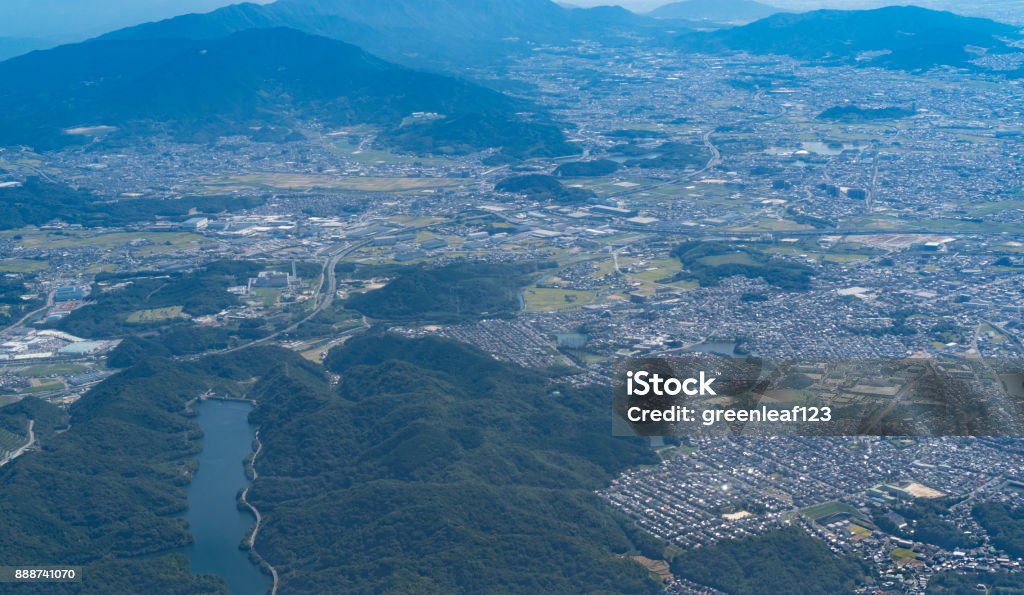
(214,519)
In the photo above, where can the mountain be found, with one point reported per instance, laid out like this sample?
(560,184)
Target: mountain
(246,82)
(718,11)
(76,20)
(899,37)
(16,46)
(436,33)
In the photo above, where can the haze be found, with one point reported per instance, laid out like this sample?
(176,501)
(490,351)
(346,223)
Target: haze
(1005,10)
(71,20)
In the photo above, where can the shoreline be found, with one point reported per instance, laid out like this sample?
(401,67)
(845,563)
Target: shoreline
(244,499)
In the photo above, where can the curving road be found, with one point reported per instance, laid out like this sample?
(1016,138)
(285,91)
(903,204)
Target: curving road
(716,158)
(259,518)
(324,299)
(24,447)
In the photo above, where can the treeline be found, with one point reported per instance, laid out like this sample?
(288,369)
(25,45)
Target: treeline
(787,561)
(434,468)
(954,583)
(853,113)
(930,524)
(37,202)
(700,265)
(461,291)
(1004,524)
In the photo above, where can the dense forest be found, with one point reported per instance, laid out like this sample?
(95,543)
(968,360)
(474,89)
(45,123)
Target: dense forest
(519,138)
(460,291)
(544,188)
(438,469)
(37,202)
(710,262)
(1005,525)
(587,169)
(432,467)
(787,561)
(931,525)
(200,292)
(48,418)
(108,493)
(853,113)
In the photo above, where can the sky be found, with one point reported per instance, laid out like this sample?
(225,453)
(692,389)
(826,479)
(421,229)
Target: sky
(645,5)
(1011,11)
(74,20)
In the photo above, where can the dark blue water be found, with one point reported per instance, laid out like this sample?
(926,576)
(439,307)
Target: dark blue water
(215,521)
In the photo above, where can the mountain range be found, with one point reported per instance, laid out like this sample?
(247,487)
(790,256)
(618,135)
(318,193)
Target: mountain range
(900,37)
(239,84)
(435,34)
(16,46)
(64,21)
(716,11)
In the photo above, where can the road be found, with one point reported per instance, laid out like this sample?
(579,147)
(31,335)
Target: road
(259,518)
(716,158)
(21,321)
(324,299)
(24,447)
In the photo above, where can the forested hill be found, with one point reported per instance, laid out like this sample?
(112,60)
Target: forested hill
(37,202)
(438,469)
(432,468)
(898,37)
(198,90)
(109,493)
(420,33)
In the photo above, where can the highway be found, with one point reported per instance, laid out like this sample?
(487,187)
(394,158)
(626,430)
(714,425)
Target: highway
(323,298)
(716,158)
(21,321)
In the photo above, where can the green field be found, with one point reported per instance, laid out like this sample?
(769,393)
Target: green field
(154,315)
(43,386)
(45,370)
(329,182)
(901,553)
(662,269)
(160,241)
(22,265)
(553,300)
(741,258)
